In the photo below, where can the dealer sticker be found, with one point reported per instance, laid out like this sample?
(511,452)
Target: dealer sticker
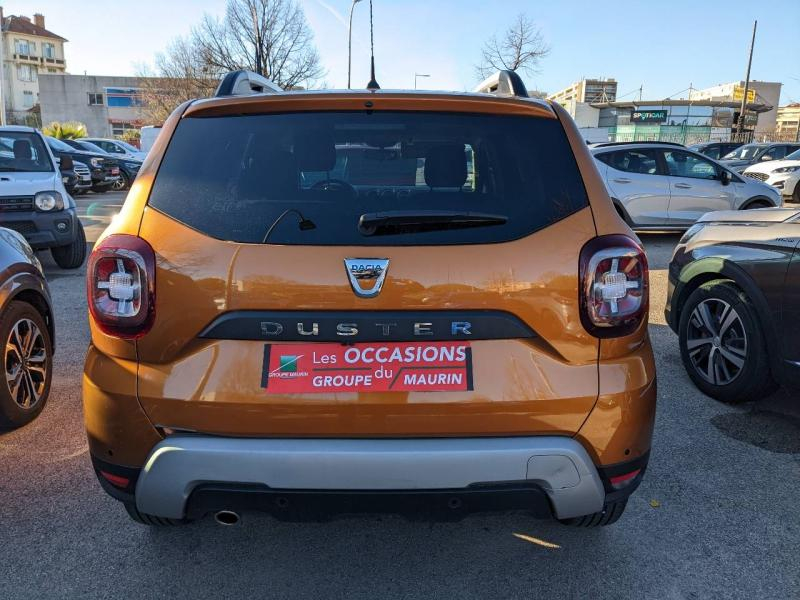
(395,367)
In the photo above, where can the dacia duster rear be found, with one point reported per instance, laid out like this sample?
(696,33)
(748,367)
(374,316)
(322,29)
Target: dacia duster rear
(326,302)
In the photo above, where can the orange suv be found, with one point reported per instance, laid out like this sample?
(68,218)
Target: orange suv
(329,302)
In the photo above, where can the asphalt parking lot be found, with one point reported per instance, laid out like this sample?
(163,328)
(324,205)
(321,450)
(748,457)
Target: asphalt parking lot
(716,516)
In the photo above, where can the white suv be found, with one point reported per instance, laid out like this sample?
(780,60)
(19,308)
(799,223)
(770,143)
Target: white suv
(33,200)
(783,174)
(661,185)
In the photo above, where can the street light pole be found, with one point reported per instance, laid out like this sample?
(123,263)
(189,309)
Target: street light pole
(743,109)
(350,42)
(417,75)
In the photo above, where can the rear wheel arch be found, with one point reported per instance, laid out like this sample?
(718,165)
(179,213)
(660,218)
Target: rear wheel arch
(38,301)
(703,271)
(757,202)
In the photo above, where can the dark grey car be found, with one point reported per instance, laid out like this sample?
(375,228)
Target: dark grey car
(734,301)
(26,332)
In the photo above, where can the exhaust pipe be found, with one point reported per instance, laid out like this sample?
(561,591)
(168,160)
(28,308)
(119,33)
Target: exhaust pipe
(227,517)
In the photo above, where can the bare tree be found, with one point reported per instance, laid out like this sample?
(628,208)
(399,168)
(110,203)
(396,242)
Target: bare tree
(520,49)
(270,37)
(179,76)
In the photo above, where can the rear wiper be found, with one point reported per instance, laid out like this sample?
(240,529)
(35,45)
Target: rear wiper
(383,222)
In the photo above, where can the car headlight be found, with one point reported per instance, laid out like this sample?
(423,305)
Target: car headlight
(786,169)
(48,201)
(97,162)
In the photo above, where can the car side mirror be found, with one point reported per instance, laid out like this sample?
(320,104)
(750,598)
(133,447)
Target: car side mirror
(66,163)
(766,157)
(725,177)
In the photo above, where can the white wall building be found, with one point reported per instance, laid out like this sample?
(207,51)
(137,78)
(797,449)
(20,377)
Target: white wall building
(759,92)
(28,50)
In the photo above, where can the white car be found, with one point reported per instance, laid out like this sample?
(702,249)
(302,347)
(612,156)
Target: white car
(661,185)
(784,175)
(117,148)
(33,199)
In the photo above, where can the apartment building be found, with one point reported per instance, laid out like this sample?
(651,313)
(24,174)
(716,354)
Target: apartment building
(788,122)
(28,49)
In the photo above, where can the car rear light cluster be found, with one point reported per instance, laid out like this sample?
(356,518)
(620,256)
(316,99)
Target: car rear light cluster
(120,285)
(614,286)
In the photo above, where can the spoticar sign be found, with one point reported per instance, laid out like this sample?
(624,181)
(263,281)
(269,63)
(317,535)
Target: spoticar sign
(648,116)
(391,367)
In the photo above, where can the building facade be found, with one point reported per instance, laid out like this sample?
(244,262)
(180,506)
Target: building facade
(28,52)
(108,106)
(683,121)
(788,122)
(587,90)
(765,93)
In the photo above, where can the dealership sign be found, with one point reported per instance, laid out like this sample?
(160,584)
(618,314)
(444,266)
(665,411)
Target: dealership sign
(648,116)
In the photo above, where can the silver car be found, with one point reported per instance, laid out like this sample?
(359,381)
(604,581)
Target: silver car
(660,185)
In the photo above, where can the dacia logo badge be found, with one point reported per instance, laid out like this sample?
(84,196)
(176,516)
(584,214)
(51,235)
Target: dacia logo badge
(366,275)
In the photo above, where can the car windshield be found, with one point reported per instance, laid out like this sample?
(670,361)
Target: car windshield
(745,152)
(90,147)
(23,152)
(127,146)
(419,178)
(56,144)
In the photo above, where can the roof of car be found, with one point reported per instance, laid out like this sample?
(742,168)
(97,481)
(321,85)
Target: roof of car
(352,99)
(608,146)
(19,128)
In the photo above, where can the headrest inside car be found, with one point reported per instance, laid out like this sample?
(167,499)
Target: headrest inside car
(23,150)
(315,152)
(446,166)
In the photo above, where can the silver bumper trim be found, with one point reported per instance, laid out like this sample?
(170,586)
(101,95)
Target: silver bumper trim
(560,465)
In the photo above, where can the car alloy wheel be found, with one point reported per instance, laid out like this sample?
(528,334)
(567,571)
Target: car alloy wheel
(26,365)
(716,341)
(120,184)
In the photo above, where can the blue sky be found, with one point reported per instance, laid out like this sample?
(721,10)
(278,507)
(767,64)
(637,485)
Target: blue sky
(663,46)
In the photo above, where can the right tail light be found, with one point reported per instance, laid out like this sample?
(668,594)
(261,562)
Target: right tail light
(614,293)
(120,285)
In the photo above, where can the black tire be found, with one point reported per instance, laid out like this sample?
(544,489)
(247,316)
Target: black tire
(72,255)
(746,345)
(609,515)
(796,195)
(21,404)
(122,183)
(150,520)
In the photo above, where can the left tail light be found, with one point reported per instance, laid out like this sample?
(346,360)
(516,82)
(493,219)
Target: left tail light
(614,278)
(121,286)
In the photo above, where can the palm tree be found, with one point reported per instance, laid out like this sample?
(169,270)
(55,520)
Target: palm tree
(70,130)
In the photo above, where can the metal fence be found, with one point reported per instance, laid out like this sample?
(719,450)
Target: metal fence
(688,137)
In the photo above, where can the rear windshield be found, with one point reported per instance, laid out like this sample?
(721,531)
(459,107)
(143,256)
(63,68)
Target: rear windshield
(23,151)
(235,178)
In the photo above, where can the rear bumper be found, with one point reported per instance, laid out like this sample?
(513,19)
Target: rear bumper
(186,473)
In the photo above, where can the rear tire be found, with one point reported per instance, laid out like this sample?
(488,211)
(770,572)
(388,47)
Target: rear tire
(72,255)
(796,195)
(150,520)
(608,516)
(729,363)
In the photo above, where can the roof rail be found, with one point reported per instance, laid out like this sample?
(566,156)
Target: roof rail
(245,83)
(503,83)
(604,144)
